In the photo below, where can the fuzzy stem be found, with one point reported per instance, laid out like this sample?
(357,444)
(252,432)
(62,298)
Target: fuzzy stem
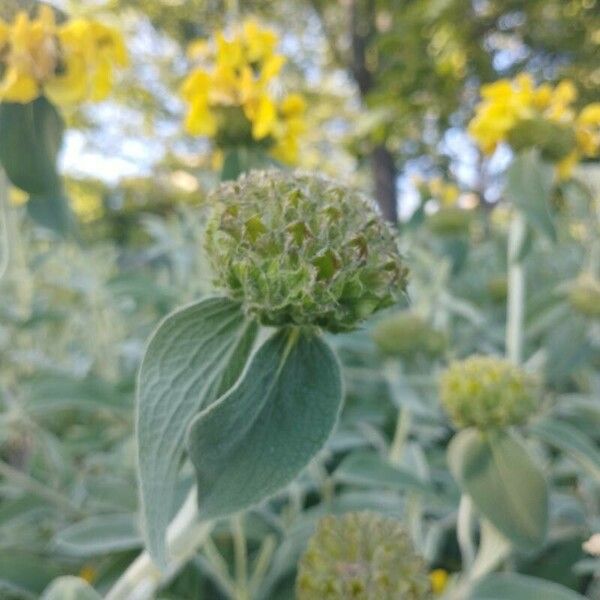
(516,289)
(241,558)
(464,531)
(184,536)
(403,422)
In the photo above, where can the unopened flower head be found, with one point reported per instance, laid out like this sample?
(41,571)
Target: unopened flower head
(542,117)
(408,336)
(361,556)
(229,94)
(68,62)
(487,392)
(584,296)
(298,249)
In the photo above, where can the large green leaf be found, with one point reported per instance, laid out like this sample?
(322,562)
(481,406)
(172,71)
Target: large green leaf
(194,356)
(30,138)
(529,182)
(512,586)
(495,470)
(70,588)
(570,440)
(262,433)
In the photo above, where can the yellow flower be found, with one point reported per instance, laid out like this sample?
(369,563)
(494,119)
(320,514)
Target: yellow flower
(70,62)
(90,52)
(439,580)
(234,82)
(525,116)
(31,55)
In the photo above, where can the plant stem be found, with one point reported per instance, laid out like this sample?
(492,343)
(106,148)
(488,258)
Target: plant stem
(185,535)
(241,557)
(516,289)
(464,531)
(403,422)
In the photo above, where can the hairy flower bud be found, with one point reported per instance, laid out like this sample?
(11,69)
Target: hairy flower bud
(407,335)
(487,392)
(297,249)
(584,296)
(361,556)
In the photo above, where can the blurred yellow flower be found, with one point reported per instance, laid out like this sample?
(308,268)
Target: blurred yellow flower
(439,580)
(525,116)
(229,93)
(68,62)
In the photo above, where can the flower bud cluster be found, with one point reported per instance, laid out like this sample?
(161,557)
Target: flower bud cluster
(297,249)
(487,392)
(361,556)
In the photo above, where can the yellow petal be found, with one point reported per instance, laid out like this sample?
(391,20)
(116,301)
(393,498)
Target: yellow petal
(200,120)
(264,119)
(272,67)
(590,115)
(293,105)
(18,87)
(72,86)
(564,168)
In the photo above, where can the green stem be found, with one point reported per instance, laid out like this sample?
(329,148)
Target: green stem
(464,532)
(516,289)
(241,557)
(403,423)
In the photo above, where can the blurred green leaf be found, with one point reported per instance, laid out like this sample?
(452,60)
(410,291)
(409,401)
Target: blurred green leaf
(506,486)
(193,357)
(505,586)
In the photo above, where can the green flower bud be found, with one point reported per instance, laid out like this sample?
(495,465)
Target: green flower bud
(487,392)
(361,556)
(407,335)
(450,220)
(584,296)
(297,249)
(554,140)
(497,288)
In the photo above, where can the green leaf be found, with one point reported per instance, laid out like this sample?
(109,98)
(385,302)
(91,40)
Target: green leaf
(505,586)
(261,434)
(70,588)
(495,470)
(368,469)
(570,440)
(194,356)
(529,182)
(100,534)
(51,210)
(30,138)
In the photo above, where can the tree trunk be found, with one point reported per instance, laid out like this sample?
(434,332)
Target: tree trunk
(385,174)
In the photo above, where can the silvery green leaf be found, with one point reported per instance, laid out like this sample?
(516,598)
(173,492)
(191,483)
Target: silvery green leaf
(193,357)
(259,436)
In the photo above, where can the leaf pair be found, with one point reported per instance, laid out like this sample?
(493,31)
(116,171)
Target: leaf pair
(247,441)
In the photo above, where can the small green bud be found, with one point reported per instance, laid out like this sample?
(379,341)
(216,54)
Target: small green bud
(297,249)
(450,220)
(487,392)
(407,336)
(584,296)
(361,556)
(554,140)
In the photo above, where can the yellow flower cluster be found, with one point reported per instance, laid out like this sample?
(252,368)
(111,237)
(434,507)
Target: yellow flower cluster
(67,62)
(229,93)
(445,192)
(527,116)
